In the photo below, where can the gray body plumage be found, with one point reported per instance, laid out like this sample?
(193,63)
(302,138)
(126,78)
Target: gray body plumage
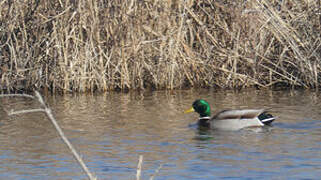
(237,119)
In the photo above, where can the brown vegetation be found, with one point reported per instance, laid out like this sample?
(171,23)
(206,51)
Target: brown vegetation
(131,44)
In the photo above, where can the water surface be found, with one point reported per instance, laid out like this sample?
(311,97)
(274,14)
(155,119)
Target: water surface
(111,130)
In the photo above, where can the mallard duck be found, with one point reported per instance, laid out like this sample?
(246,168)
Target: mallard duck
(230,119)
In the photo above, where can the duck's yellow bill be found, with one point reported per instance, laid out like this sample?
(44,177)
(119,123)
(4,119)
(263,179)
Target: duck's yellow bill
(189,110)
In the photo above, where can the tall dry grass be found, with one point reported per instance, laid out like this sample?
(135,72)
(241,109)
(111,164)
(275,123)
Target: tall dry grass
(89,45)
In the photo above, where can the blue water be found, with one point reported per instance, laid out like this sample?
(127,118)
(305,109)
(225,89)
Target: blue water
(111,130)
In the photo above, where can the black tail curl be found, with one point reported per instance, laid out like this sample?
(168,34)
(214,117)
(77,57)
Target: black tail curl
(266,118)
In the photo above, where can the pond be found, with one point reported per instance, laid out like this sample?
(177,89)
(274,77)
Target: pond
(112,130)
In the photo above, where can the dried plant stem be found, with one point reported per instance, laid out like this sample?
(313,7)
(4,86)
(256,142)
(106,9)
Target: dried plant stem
(49,114)
(156,172)
(10,113)
(17,95)
(139,167)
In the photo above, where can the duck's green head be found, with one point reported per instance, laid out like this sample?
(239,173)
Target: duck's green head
(201,107)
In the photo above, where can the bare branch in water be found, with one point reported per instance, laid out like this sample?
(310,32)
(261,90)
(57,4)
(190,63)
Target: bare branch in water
(12,112)
(17,95)
(49,114)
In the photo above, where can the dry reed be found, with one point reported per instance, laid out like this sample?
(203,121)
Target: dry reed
(139,167)
(49,114)
(77,46)
(62,135)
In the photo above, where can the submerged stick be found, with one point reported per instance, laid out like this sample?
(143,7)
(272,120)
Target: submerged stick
(49,114)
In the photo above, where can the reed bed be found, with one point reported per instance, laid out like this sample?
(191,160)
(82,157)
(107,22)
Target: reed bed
(86,45)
